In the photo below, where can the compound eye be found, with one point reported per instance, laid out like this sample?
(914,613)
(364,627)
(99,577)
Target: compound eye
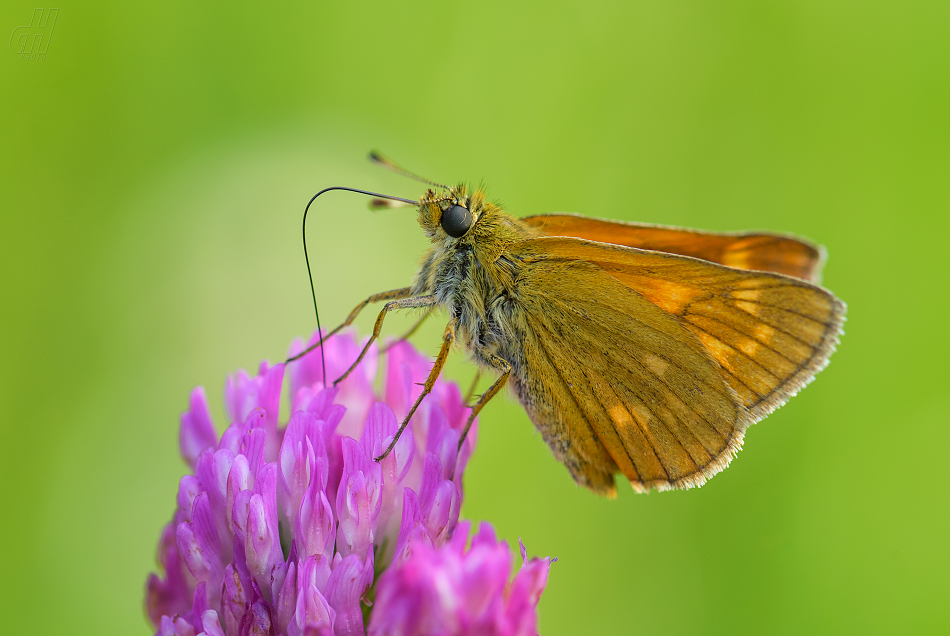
(456,221)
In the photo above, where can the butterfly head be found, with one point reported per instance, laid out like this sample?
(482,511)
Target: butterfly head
(452,213)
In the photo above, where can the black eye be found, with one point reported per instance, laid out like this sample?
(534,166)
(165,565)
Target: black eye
(456,221)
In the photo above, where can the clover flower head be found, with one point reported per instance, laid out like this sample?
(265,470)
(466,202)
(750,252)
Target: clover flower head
(459,591)
(283,530)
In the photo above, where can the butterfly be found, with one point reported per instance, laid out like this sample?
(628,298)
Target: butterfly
(636,349)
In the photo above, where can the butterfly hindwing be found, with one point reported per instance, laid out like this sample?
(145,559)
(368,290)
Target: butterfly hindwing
(664,359)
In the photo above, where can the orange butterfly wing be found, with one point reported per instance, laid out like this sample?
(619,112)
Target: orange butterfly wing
(748,250)
(655,364)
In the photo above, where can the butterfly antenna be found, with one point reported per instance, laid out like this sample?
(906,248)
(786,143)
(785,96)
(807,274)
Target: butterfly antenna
(313,293)
(376,157)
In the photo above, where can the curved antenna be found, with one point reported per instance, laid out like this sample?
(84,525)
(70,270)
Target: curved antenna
(377,157)
(313,293)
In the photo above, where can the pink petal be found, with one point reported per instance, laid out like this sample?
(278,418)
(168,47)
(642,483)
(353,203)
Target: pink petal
(197,429)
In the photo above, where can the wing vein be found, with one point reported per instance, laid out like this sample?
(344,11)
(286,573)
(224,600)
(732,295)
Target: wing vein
(780,308)
(655,416)
(570,388)
(744,355)
(749,335)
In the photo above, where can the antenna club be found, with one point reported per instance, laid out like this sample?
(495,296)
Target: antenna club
(376,156)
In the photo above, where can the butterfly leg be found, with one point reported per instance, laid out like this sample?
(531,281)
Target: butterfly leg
(394,294)
(471,390)
(404,303)
(448,337)
(502,365)
(411,331)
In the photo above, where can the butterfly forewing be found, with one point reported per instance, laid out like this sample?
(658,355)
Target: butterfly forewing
(763,251)
(665,359)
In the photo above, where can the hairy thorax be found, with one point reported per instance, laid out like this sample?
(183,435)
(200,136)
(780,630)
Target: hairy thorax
(476,290)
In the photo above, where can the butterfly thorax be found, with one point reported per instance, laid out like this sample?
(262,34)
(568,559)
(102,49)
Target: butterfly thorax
(473,277)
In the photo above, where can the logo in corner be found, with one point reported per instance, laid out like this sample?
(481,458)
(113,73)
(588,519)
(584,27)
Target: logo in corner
(32,41)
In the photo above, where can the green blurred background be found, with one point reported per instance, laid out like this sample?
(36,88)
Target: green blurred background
(155,166)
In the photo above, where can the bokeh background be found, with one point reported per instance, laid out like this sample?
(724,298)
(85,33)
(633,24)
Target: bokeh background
(155,166)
